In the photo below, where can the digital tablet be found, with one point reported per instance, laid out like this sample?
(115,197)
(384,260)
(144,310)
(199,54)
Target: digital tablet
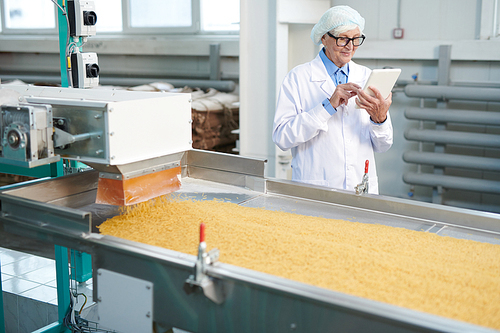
(382,79)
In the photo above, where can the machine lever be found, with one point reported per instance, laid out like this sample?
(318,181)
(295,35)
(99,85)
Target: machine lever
(363,186)
(212,288)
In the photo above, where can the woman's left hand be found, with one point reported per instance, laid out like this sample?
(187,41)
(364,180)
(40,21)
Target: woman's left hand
(377,107)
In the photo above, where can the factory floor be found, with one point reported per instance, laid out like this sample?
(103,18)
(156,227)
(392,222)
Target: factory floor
(29,284)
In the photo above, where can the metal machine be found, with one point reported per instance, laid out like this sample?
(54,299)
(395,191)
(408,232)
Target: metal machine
(122,134)
(27,135)
(168,289)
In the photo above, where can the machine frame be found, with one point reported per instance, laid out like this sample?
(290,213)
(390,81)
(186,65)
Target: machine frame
(253,301)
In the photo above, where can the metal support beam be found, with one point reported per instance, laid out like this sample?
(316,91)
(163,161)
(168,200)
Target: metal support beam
(62,278)
(2,320)
(83,266)
(444,64)
(52,328)
(48,170)
(63,296)
(214,59)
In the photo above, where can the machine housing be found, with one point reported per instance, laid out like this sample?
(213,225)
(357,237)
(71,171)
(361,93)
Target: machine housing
(27,135)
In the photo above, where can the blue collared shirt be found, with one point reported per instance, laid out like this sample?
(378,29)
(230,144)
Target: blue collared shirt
(338,75)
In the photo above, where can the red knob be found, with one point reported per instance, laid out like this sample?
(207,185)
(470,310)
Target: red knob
(366,166)
(202,232)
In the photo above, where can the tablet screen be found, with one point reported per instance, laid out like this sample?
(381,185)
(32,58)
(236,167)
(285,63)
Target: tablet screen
(382,79)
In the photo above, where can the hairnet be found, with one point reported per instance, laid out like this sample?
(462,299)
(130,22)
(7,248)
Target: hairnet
(335,17)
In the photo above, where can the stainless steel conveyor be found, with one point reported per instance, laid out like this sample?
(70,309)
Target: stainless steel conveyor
(62,211)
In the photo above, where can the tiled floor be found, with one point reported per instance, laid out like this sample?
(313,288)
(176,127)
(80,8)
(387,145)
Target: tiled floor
(28,275)
(34,277)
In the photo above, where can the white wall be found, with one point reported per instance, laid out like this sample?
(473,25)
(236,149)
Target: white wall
(264,54)
(258,72)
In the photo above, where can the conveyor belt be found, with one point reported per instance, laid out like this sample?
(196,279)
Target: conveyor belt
(199,189)
(62,211)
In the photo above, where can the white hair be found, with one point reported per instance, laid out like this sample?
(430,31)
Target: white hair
(344,28)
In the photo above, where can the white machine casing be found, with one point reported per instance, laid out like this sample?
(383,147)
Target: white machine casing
(118,127)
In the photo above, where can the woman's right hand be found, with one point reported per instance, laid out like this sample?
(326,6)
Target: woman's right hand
(342,94)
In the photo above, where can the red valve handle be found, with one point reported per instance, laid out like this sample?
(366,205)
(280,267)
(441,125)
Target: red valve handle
(202,232)
(366,166)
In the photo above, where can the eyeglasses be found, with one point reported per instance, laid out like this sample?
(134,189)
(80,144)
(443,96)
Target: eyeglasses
(343,41)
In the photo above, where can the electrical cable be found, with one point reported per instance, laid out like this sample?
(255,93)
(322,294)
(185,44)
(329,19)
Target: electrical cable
(81,309)
(77,324)
(72,320)
(55,3)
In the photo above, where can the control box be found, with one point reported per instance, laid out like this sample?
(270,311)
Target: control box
(82,18)
(84,70)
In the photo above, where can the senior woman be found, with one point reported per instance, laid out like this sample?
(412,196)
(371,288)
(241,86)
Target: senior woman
(316,114)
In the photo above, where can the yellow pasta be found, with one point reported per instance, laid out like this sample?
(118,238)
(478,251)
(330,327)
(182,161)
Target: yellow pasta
(449,277)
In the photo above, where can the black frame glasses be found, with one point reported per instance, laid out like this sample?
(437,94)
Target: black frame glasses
(356,41)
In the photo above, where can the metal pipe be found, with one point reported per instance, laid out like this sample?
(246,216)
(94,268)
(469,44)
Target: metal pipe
(27,182)
(452,137)
(454,116)
(452,182)
(223,85)
(421,126)
(450,160)
(214,61)
(450,92)
(226,85)
(401,83)
(444,65)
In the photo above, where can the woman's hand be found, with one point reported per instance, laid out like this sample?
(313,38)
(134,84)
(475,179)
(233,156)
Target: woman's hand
(342,94)
(377,107)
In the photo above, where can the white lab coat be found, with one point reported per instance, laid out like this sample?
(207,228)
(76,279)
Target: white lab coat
(327,150)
